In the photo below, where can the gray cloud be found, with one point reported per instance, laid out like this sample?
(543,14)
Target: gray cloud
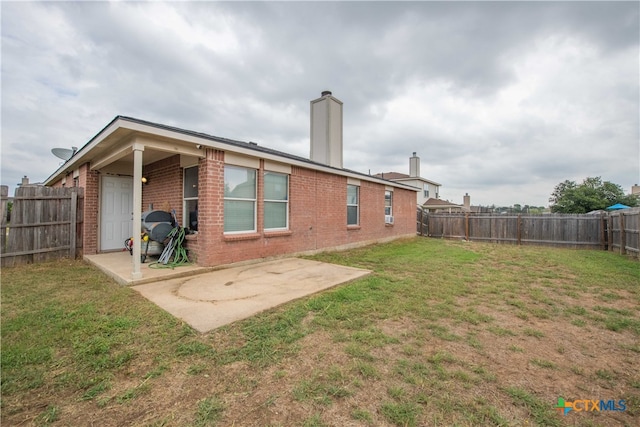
(500,99)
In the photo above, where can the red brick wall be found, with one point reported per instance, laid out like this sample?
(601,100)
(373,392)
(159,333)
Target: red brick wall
(89,180)
(317,216)
(207,246)
(317,211)
(163,189)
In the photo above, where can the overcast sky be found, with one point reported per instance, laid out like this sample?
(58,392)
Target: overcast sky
(501,100)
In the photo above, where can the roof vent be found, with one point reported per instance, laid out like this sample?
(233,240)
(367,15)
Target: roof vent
(326,92)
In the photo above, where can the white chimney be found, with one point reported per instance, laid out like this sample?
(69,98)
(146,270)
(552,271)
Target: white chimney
(326,130)
(466,202)
(414,166)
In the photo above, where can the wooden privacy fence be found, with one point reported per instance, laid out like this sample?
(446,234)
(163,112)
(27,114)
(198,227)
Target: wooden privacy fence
(45,224)
(576,231)
(623,228)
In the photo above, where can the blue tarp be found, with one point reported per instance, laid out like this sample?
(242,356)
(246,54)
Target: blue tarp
(617,206)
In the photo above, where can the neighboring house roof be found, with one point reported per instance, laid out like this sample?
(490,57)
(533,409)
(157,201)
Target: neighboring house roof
(391,175)
(432,203)
(121,127)
(479,209)
(400,177)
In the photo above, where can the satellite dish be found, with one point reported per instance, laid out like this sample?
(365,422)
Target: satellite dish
(64,153)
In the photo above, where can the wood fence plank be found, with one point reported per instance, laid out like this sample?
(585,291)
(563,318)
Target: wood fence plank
(46,224)
(616,230)
(4,205)
(623,236)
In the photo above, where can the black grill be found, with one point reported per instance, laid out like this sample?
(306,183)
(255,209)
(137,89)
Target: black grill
(157,224)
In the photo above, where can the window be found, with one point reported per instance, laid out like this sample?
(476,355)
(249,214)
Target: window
(190,198)
(276,201)
(353,204)
(388,202)
(239,199)
(425,189)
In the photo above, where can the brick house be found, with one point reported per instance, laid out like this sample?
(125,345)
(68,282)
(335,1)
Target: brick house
(244,201)
(428,189)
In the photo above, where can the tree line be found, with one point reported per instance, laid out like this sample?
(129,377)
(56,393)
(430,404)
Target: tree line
(591,195)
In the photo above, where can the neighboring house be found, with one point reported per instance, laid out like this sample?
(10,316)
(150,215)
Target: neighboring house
(246,201)
(428,189)
(438,205)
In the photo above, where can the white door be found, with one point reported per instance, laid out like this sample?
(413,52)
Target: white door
(116,212)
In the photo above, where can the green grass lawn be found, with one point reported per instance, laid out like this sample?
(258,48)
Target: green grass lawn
(442,333)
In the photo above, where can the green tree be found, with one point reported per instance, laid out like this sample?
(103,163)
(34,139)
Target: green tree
(592,194)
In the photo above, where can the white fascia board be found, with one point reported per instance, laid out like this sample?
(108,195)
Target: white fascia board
(419,179)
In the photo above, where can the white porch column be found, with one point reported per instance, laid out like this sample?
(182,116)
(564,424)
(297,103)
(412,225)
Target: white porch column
(137,210)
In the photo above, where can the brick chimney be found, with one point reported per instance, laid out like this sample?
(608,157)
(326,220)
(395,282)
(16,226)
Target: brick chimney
(414,166)
(466,202)
(326,130)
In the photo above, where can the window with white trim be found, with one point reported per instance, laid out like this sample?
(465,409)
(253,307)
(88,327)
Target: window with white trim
(388,202)
(239,199)
(190,198)
(425,188)
(353,204)
(276,201)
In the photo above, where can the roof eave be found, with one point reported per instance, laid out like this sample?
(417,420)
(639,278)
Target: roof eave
(223,144)
(419,179)
(80,156)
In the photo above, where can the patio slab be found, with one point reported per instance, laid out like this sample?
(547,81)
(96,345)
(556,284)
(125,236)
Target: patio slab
(119,265)
(216,298)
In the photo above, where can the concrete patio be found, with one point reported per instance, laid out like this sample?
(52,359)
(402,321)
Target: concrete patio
(210,300)
(119,265)
(207,298)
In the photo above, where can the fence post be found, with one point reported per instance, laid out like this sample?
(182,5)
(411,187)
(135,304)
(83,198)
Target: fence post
(519,229)
(610,231)
(637,221)
(466,226)
(73,226)
(4,205)
(623,237)
(603,233)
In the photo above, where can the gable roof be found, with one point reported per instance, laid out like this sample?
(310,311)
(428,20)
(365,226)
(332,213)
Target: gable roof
(439,204)
(399,177)
(131,125)
(391,175)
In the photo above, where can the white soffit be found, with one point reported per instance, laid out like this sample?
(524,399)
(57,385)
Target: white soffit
(239,160)
(277,167)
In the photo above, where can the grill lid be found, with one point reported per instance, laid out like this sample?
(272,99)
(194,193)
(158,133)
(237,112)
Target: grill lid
(156,216)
